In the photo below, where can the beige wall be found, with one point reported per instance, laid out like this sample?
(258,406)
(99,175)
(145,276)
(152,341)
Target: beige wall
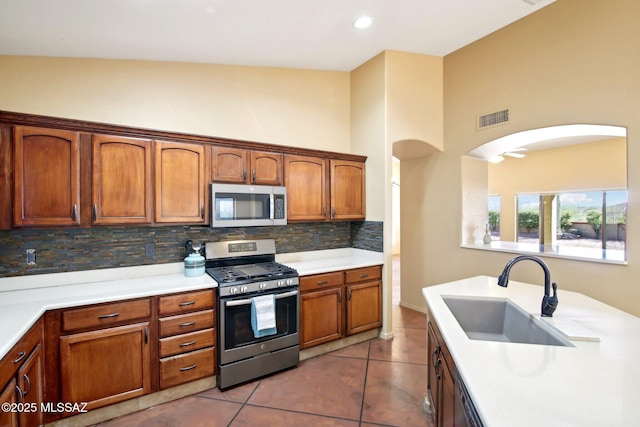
(309,109)
(414,98)
(396,105)
(574,61)
(593,166)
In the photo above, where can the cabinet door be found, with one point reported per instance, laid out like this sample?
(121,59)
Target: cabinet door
(9,395)
(46,171)
(31,383)
(229,165)
(180,183)
(347,190)
(121,180)
(448,397)
(364,306)
(105,366)
(266,168)
(306,182)
(433,373)
(321,317)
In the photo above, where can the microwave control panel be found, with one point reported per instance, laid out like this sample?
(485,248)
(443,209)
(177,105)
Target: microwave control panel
(278,206)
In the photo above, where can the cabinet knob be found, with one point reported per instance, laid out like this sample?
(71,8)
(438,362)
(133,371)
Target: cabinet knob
(75,212)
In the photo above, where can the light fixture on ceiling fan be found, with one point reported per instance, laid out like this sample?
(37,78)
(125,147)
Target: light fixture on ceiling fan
(511,153)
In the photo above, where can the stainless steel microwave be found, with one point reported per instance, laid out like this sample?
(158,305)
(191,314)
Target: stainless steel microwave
(243,205)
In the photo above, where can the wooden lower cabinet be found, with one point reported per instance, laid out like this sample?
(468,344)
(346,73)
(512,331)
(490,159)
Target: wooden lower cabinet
(9,395)
(106,366)
(321,317)
(187,367)
(107,353)
(22,381)
(446,409)
(338,304)
(364,305)
(187,349)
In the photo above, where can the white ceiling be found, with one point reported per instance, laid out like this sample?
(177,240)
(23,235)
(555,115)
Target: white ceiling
(308,34)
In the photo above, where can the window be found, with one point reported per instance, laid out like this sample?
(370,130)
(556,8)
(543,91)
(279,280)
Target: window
(493,205)
(581,219)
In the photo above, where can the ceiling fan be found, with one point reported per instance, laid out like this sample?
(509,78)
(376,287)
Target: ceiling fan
(511,153)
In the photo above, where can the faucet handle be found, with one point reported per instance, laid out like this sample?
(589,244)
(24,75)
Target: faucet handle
(549,303)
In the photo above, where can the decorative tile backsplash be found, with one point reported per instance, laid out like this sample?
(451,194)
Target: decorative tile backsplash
(76,249)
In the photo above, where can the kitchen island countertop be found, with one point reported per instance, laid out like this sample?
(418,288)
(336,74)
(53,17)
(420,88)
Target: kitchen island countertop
(23,299)
(593,383)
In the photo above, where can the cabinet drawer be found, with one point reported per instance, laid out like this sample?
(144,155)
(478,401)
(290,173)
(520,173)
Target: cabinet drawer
(19,353)
(105,315)
(182,303)
(187,342)
(184,323)
(362,274)
(319,281)
(187,367)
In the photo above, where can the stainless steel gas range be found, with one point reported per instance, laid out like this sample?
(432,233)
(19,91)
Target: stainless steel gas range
(247,276)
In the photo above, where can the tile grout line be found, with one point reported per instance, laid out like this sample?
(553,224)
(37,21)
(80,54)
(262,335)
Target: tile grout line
(364,386)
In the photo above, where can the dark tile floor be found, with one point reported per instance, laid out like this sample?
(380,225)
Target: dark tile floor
(374,383)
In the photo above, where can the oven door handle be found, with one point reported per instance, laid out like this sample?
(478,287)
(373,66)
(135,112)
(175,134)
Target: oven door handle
(248,301)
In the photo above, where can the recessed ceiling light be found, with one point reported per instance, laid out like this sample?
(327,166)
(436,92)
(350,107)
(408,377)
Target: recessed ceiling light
(362,23)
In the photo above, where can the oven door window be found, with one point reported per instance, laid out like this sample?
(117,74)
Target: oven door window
(234,206)
(237,321)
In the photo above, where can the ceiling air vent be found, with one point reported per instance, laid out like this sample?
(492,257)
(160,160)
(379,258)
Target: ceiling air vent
(493,119)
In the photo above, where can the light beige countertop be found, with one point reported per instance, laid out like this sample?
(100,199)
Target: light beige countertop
(24,299)
(593,383)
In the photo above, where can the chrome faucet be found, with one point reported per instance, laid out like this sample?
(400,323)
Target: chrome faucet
(549,303)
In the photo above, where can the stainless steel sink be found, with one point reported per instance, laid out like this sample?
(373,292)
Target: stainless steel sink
(499,319)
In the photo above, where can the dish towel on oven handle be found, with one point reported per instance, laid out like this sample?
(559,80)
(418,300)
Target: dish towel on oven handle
(263,315)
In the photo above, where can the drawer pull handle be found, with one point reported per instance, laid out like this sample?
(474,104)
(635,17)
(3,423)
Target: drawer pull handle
(184,325)
(363,275)
(108,316)
(21,356)
(187,344)
(324,282)
(188,368)
(184,304)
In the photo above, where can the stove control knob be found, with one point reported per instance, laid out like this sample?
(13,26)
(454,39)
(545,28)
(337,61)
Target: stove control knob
(280,283)
(244,289)
(263,286)
(233,291)
(289,282)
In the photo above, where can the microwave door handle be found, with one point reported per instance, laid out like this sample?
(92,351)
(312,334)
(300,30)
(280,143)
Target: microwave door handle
(248,301)
(271,206)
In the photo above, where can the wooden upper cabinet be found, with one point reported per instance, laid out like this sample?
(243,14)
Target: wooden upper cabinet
(347,190)
(235,165)
(306,181)
(180,183)
(121,180)
(229,165)
(46,170)
(266,168)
